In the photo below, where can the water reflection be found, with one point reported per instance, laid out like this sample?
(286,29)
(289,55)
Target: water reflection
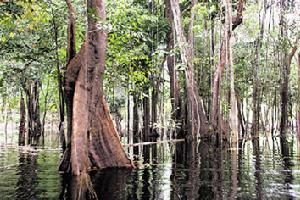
(27,181)
(258,169)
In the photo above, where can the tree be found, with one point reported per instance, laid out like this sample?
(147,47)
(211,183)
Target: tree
(215,113)
(196,121)
(94,139)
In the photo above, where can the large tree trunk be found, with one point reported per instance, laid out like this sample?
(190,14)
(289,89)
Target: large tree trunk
(196,119)
(94,139)
(22,128)
(215,113)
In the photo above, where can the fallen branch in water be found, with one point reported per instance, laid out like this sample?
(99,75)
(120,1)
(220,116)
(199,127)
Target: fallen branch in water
(148,143)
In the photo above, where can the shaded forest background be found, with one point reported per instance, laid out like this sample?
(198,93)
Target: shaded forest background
(213,67)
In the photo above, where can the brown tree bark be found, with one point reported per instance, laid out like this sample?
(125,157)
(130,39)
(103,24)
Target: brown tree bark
(196,119)
(215,113)
(33,113)
(22,128)
(174,85)
(94,139)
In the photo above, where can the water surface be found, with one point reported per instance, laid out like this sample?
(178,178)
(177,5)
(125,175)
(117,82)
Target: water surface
(268,169)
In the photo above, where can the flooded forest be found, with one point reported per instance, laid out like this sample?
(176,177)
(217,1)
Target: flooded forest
(149,99)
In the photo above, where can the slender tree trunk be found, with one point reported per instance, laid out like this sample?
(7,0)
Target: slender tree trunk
(94,139)
(286,68)
(215,113)
(229,62)
(135,125)
(6,122)
(60,85)
(298,114)
(257,82)
(22,128)
(196,119)
(146,116)
(256,93)
(174,85)
(45,114)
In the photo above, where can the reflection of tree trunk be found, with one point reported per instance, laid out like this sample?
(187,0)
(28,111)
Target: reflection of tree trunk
(217,180)
(206,162)
(191,163)
(27,181)
(257,164)
(22,128)
(287,163)
(110,184)
(234,163)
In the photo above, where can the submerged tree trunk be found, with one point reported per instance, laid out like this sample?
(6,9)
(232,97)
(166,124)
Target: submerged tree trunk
(94,139)
(22,128)
(196,119)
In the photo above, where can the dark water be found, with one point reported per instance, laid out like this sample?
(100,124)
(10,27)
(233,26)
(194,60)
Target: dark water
(268,169)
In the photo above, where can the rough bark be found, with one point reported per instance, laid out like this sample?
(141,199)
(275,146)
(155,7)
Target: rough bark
(196,119)
(73,67)
(94,139)
(22,128)
(215,113)
(33,113)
